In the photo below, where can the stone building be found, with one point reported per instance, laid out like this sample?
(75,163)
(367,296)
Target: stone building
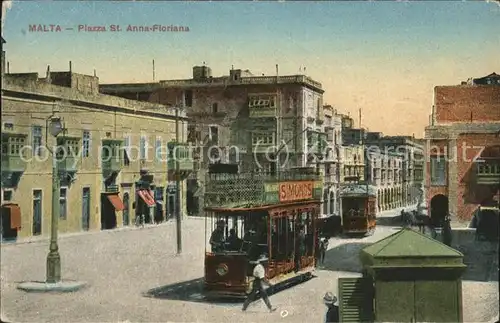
(332,162)
(384,171)
(241,118)
(399,165)
(111,155)
(462,171)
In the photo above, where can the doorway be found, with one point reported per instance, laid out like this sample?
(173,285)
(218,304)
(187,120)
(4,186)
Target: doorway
(86,208)
(171,206)
(37,212)
(439,209)
(108,214)
(126,210)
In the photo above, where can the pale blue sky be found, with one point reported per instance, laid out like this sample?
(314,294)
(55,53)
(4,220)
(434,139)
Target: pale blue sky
(378,56)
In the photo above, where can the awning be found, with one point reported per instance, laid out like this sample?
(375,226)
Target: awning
(15,215)
(147,197)
(116,201)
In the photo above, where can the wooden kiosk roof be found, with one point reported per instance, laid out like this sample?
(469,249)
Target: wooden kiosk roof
(408,248)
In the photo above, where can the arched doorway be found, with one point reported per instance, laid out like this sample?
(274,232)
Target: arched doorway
(439,209)
(126,209)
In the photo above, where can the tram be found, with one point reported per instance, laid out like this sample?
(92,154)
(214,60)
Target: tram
(358,209)
(248,215)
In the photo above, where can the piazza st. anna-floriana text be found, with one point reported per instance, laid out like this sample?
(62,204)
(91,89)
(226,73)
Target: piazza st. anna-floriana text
(44,28)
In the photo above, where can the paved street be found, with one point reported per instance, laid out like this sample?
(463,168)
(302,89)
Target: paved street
(134,275)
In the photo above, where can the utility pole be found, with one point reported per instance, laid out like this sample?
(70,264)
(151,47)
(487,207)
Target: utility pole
(177,185)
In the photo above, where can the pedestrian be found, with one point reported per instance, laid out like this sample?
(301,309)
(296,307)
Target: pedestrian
(332,315)
(323,247)
(447,233)
(257,286)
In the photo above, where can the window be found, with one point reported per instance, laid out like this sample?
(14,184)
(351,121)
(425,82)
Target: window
(7,196)
(438,170)
(214,108)
(126,151)
(263,138)
(13,145)
(188,98)
(213,134)
(68,147)
(8,126)
(36,134)
(86,144)
(63,206)
(158,149)
(143,148)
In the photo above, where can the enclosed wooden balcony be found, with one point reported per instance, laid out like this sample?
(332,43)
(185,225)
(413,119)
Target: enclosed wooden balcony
(68,154)
(13,157)
(112,155)
(244,190)
(180,153)
(488,172)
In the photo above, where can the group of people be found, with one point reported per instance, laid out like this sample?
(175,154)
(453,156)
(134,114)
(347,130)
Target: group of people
(219,243)
(409,219)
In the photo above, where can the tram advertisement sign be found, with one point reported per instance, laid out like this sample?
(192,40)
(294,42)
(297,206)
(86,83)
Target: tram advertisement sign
(293,191)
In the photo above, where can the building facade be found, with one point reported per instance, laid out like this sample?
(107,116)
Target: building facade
(241,118)
(114,155)
(384,171)
(399,163)
(332,162)
(462,169)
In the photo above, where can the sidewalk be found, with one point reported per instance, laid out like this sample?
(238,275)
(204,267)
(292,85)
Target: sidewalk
(40,239)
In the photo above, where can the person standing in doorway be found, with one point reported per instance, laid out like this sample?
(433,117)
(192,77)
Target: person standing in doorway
(258,287)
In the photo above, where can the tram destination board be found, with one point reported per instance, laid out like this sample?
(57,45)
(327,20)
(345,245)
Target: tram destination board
(295,191)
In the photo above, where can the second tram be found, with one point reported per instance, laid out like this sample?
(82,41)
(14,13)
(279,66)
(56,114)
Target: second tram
(359,210)
(254,214)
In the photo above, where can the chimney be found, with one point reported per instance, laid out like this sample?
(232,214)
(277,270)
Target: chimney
(95,73)
(70,70)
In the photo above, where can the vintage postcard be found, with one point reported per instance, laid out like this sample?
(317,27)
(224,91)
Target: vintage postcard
(250,161)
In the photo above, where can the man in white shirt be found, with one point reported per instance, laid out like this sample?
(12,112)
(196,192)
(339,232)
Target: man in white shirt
(259,274)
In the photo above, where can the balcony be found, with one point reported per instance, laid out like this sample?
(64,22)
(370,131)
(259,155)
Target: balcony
(13,160)
(67,154)
(112,189)
(488,172)
(262,106)
(13,164)
(258,189)
(180,153)
(112,158)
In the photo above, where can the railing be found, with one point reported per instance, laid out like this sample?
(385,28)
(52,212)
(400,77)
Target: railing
(237,190)
(112,189)
(245,80)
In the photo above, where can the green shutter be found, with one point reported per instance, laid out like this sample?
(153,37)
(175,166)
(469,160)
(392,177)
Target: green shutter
(355,300)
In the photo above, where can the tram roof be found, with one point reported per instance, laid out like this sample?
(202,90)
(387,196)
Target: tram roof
(248,207)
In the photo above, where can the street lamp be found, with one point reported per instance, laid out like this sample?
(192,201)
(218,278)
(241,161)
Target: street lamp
(55,127)
(53,282)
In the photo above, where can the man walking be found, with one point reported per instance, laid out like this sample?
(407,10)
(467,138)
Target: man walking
(332,315)
(259,275)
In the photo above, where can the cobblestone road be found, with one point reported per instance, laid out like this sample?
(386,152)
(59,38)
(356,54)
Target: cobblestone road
(122,266)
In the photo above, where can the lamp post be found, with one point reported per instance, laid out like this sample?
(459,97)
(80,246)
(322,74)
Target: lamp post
(53,281)
(53,258)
